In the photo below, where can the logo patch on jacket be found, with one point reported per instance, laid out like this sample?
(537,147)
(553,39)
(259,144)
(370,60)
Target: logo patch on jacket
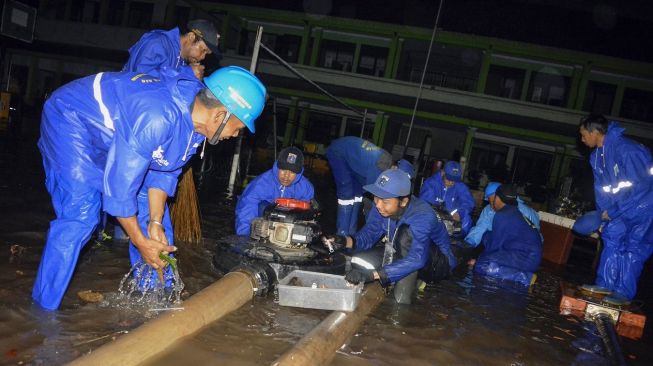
(157,155)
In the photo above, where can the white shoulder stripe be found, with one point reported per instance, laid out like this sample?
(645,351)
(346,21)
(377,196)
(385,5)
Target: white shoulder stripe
(97,94)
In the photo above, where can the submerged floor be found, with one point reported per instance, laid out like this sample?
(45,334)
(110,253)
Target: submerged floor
(459,321)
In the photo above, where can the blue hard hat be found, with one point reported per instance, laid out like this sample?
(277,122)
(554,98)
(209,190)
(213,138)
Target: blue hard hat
(491,189)
(389,184)
(588,223)
(452,171)
(407,167)
(239,91)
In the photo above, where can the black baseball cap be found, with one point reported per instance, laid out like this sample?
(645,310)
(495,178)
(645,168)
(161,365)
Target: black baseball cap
(207,32)
(291,158)
(508,194)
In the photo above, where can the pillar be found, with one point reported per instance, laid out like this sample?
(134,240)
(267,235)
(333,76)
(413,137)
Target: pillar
(291,122)
(483,72)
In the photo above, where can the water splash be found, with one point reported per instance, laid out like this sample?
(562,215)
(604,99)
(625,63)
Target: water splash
(142,286)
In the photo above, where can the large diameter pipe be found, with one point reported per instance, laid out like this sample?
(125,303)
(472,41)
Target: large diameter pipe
(222,297)
(319,346)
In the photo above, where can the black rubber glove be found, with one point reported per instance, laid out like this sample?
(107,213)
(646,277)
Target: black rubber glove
(334,243)
(360,275)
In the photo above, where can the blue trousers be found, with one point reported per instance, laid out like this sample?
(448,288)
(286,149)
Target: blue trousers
(77,207)
(627,244)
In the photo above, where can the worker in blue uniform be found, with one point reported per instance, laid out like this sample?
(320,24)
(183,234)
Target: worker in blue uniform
(117,142)
(416,242)
(447,189)
(513,249)
(623,187)
(484,222)
(159,48)
(354,163)
(285,180)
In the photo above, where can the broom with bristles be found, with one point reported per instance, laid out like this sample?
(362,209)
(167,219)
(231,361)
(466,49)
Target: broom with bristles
(185,211)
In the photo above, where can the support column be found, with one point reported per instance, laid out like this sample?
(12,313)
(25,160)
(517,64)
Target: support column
(483,72)
(574,88)
(125,13)
(357,56)
(315,52)
(524,87)
(303,123)
(224,33)
(397,57)
(554,175)
(343,126)
(31,80)
(510,156)
(469,142)
(378,126)
(384,127)
(170,13)
(582,86)
(618,99)
(291,122)
(303,45)
(391,58)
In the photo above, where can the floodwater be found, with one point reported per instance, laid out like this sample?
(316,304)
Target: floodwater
(460,321)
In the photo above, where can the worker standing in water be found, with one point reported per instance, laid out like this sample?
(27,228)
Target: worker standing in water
(416,242)
(623,188)
(484,223)
(446,189)
(354,163)
(513,249)
(286,179)
(160,48)
(117,142)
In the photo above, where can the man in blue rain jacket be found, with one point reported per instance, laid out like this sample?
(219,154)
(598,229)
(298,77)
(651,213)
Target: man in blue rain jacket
(513,249)
(623,187)
(117,142)
(447,189)
(354,163)
(159,48)
(484,222)
(285,179)
(410,227)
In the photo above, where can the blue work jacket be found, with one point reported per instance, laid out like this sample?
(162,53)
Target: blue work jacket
(155,50)
(623,175)
(484,222)
(513,243)
(425,228)
(118,132)
(456,199)
(265,189)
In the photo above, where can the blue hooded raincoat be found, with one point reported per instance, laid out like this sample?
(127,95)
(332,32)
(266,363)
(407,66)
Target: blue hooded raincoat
(623,186)
(456,199)
(105,140)
(155,50)
(513,249)
(263,191)
(426,230)
(484,222)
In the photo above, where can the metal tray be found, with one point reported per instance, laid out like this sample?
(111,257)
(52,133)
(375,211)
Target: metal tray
(316,290)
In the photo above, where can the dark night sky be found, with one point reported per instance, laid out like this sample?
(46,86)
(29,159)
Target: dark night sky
(611,27)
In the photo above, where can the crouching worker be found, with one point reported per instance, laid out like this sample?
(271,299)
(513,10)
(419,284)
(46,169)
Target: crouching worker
(416,243)
(513,249)
(285,179)
(117,142)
